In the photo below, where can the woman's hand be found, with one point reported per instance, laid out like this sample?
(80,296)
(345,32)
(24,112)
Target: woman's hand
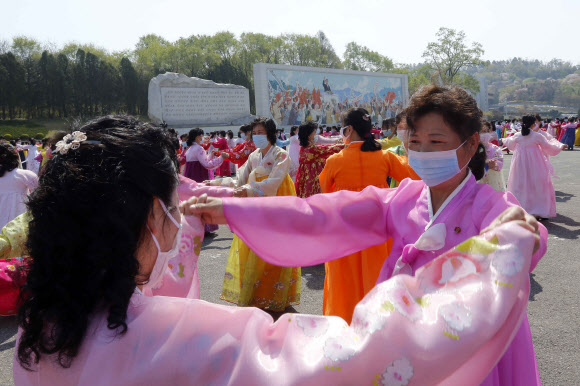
(209,209)
(241,192)
(521,218)
(225,155)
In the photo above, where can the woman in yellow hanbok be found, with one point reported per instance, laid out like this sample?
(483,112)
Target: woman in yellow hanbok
(249,280)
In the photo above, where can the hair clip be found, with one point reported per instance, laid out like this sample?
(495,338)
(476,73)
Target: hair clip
(366,117)
(72,141)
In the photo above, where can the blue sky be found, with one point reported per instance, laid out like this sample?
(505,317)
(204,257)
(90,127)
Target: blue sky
(537,29)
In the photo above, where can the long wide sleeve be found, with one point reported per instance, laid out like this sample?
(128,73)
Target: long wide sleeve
(510,143)
(239,154)
(269,186)
(549,147)
(487,207)
(188,188)
(408,330)
(303,232)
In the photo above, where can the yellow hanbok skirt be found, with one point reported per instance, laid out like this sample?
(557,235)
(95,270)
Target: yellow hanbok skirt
(577,139)
(251,282)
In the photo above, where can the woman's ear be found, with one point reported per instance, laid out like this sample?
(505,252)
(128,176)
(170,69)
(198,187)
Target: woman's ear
(474,142)
(154,216)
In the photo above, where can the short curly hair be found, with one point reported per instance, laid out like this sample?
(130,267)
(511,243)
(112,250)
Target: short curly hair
(457,108)
(269,125)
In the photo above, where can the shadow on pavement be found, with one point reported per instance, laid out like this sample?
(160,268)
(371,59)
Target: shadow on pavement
(557,230)
(535,287)
(276,315)
(314,276)
(563,197)
(8,329)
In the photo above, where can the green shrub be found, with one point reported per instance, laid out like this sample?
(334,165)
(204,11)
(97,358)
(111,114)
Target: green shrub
(8,136)
(39,136)
(24,136)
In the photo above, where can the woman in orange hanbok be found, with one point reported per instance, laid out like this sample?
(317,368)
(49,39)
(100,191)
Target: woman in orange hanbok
(312,160)
(362,163)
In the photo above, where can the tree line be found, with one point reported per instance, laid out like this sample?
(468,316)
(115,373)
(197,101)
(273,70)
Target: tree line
(38,80)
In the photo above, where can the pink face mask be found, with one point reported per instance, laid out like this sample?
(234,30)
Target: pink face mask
(163,257)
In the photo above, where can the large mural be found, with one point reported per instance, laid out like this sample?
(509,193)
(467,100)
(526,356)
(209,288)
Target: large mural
(320,95)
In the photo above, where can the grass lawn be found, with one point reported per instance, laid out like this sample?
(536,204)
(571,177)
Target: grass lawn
(32,128)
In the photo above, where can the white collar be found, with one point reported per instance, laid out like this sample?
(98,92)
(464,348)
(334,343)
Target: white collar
(262,157)
(432,217)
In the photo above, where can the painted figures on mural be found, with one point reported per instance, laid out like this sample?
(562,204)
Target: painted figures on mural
(296,97)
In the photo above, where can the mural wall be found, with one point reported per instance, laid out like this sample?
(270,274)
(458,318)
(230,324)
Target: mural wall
(291,94)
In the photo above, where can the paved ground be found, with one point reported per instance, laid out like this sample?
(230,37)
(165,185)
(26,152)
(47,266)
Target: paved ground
(554,308)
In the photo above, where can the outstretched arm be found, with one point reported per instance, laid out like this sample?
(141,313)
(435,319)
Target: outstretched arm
(290,231)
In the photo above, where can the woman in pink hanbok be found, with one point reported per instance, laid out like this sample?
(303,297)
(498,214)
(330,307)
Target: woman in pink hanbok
(530,178)
(424,218)
(494,160)
(198,165)
(89,316)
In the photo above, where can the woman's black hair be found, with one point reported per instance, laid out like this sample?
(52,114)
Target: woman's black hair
(223,133)
(269,125)
(293,130)
(193,134)
(88,219)
(245,128)
(527,122)
(304,132)
(360,120)
(389,124)
(458,109)
(230,134)
(8,158)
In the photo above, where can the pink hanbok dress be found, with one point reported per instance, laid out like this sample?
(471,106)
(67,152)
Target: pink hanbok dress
(198,167)
(328,226)
(198,164)
(15,186)
(530,178)
(438,327)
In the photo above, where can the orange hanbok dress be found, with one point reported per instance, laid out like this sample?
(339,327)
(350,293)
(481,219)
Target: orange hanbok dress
(350,278)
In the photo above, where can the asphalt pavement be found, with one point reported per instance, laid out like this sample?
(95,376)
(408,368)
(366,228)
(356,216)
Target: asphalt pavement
(553,309)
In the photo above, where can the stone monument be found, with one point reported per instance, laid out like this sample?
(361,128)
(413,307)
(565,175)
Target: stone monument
(182,101)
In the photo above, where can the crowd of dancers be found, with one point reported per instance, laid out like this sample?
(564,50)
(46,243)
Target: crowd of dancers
(102,280)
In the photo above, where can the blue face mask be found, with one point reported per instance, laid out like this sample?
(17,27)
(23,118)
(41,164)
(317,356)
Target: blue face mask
(260,140)
(435,167)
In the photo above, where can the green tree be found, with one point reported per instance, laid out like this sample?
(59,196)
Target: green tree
(450,55)
(328,57)
(130,85)
(361,58)
(12,80)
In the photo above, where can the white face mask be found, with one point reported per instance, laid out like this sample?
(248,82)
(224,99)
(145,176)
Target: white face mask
(315,139)
(344,138)
(155,279)
(436,167)
(387,133)
(243,136)
(260,140)
(401,134)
